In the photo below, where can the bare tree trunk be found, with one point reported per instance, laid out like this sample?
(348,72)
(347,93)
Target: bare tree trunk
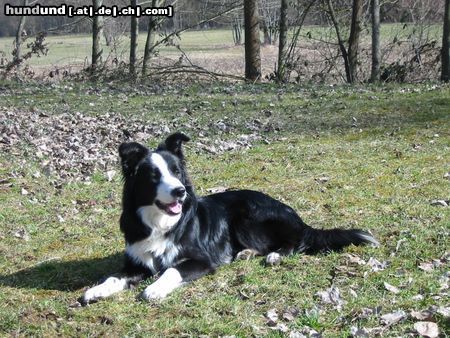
(353,40)
(340,41)
(97,28)
(376,51)
(150,42)
(282,44)
(237,30)
(266,33)
(445,76)
(252,41)
(134,34)
(19,39)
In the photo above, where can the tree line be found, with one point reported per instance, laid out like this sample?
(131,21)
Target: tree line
(189,12)
(280,21)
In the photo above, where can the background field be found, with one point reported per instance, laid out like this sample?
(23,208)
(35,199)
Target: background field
(215,50)
(375,158)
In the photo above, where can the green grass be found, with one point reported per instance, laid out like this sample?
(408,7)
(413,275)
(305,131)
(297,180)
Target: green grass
(377,181)
(74,49)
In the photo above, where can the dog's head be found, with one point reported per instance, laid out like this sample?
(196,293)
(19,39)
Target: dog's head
(155,181)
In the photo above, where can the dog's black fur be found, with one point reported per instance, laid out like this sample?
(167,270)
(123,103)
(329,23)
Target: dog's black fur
(211,230)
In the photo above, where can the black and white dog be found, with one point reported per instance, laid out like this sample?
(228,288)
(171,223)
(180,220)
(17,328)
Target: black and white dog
(172,233)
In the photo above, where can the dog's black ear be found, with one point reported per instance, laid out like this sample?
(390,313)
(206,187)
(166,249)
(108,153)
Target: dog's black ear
(174,144)
(130,155)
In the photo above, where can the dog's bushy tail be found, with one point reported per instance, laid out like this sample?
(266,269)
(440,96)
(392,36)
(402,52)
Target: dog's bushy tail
(316,240)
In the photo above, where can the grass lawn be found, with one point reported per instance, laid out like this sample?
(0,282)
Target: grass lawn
(368,157)
(71,49)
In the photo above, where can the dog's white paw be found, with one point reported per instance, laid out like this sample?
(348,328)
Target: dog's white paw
(153,292)
(273,258)
(169,281)
(246,254)
(106,289)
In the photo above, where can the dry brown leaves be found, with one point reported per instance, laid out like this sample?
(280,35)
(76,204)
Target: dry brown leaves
(71,146)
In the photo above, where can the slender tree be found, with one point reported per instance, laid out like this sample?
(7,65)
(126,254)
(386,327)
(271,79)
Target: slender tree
(97,28)
(134,34)
(376,51)
(353,40)
(150,42)
(19,37)
(151,45)
(289,58)
(237,30)
(252,41)
(445,76)
(341,41)
(266,33)
(282,44)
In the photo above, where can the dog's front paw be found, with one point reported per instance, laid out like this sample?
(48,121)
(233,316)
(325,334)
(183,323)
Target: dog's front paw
(273,258)
(169,281)
(246,254)
(154,292)
(92,295)
(106,289)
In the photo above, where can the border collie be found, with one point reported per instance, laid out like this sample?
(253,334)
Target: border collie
(172,234)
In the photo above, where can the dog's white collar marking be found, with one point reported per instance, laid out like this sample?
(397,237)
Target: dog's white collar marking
(156,219)
(169,281)
(156,245)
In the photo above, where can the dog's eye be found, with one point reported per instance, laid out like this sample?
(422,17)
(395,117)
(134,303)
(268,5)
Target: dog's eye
(155,175)
(176,171)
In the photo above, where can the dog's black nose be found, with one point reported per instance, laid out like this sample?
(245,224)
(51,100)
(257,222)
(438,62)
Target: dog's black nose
(178,192)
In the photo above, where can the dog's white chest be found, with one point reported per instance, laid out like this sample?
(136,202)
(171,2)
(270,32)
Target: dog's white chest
(154,246)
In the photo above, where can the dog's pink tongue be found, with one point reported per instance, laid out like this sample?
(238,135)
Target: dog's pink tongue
(175,207)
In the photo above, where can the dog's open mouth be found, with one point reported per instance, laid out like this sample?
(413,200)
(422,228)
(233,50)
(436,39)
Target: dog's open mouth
(172,209)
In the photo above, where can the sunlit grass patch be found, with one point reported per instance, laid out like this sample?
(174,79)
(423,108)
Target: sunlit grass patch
(371,158)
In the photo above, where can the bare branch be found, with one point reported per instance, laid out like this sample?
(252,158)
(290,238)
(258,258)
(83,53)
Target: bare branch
(158,71)
(236,5)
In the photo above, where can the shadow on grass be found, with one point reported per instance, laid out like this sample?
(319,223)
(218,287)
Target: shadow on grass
(344,114)
(64,275)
